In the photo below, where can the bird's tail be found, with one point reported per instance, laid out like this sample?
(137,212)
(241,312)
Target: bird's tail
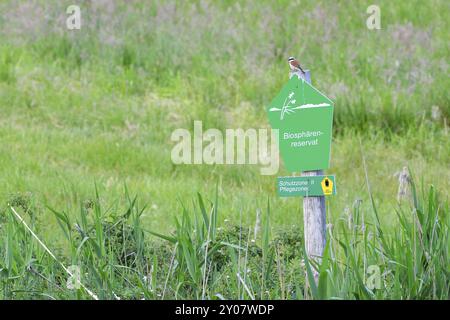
(303,71)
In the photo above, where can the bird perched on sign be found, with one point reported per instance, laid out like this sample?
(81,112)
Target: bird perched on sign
(295,67)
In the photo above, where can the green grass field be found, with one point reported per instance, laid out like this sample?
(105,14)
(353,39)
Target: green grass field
(87,115)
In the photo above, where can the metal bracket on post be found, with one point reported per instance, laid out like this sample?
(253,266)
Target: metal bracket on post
(305,76)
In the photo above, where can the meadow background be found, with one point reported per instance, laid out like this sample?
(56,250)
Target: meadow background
(92,111)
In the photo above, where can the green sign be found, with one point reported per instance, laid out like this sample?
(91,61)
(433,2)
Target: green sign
(306,186)
(304,117)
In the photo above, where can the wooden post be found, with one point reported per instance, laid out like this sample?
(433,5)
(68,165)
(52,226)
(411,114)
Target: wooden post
(314,212)
(314,222)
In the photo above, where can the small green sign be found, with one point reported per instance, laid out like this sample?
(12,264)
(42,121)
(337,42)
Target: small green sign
(306,186)
(304,117)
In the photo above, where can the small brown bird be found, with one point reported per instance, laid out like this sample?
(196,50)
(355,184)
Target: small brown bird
(295,65)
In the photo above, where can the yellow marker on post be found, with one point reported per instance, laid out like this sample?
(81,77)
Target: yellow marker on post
(327,186)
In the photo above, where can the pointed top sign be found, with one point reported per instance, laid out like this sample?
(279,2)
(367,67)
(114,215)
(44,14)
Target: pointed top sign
(304,117)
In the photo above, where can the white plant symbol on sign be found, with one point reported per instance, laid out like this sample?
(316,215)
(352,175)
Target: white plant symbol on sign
(289,107)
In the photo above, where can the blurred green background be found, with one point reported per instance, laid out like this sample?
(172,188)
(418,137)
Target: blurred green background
(98,105)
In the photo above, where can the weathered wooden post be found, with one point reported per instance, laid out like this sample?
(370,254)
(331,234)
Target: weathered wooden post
(314,212)
(314,219)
